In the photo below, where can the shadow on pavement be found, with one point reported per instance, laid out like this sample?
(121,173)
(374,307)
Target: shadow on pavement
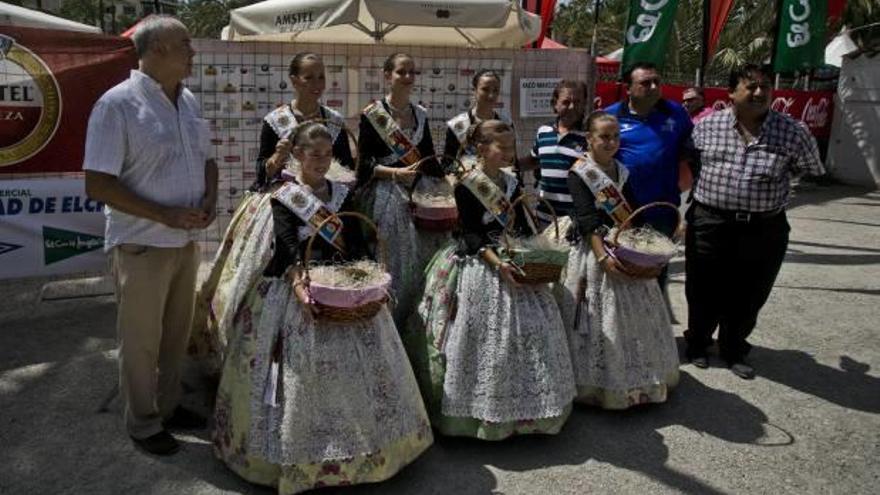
(849,387)
(629,440)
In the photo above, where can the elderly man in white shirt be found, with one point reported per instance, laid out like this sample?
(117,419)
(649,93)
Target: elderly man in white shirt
(146,159)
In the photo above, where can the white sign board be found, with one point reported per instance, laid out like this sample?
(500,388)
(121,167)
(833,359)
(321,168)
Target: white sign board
(49,227)
(535,95)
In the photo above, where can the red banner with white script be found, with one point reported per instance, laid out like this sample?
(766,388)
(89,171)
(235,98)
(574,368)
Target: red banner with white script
(814,108)
(49,80)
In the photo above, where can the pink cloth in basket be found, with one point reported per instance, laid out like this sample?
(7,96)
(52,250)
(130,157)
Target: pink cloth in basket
(349,298)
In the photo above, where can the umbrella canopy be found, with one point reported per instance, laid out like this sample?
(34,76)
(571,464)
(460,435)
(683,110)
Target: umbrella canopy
(12,15)
(475,23)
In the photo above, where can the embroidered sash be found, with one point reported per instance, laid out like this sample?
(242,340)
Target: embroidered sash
(391,134)
(609,195)
(488,193)
(312,211)
(282,120)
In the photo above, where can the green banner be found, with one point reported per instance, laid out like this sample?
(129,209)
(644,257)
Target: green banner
(647,31)
(60,244)
(800,41)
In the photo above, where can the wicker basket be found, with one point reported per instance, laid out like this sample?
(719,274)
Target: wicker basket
(636,257)
(536,266)
(369,301)
(432,217)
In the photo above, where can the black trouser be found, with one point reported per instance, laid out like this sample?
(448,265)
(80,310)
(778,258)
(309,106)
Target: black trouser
(731,264)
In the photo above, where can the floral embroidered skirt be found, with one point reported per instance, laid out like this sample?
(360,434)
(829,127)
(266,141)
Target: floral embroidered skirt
(410,249)
(342,407)
(238,264)
(622,344)
(492,360)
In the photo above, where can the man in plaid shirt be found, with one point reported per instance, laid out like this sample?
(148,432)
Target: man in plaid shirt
(737,231)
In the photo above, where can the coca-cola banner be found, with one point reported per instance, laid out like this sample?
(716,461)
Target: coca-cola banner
(50,80)
(812,107)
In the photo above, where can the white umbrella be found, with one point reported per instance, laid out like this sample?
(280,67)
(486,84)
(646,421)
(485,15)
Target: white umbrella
(12,15)
(474,23)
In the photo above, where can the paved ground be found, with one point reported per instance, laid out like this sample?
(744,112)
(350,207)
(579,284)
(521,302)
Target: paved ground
(810,422)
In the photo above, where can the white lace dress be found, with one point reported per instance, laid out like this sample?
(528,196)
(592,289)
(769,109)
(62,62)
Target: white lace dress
(507,360)
(346,410)
(622,344)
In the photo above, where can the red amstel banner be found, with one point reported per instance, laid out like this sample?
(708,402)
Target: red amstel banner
(49,80)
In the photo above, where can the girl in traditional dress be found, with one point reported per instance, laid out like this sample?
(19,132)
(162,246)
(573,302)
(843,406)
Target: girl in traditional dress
(622,345)
(487,89)
(305,402)
(246,246)
(498,365)
(394,137)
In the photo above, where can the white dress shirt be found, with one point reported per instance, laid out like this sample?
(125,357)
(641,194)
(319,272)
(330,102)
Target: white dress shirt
(155,149)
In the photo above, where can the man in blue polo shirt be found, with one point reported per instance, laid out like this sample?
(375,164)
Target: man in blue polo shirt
(654,133)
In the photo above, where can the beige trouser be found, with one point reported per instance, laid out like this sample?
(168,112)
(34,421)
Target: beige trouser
(155,293)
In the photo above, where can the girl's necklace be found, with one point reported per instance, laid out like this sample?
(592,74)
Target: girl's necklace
(394,109)
(305,116)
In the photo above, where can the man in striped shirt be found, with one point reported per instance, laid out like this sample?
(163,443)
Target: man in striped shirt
(557,146)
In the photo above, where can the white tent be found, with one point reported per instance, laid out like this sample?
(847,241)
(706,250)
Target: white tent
(474,23)
(12,15)
(841,45)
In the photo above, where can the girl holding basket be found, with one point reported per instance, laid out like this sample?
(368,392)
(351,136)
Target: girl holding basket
(395,149)
(306,401)
(622,344)
(490,354)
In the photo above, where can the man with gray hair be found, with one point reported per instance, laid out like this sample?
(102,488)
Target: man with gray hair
(146,158)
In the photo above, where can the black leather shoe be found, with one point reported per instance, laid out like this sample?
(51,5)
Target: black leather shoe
(742,370)
(700,361)
(184,419)
(161,443)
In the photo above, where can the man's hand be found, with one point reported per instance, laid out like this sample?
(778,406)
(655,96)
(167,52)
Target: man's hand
(209,209)
(183,218)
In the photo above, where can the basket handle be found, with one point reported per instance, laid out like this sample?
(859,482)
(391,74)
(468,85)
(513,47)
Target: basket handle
(628,222)
(383,252)
(524,195)
(439,157)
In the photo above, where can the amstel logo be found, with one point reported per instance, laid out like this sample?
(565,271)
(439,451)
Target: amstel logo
(30,103)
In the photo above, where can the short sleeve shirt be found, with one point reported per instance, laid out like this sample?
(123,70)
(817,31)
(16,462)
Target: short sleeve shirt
(650,148)
(155,149)
(756,176)
(556,153)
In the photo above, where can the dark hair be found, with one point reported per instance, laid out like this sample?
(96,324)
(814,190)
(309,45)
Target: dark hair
(388,66)
(298,60)
(485,73)
(745,72)
(628,75)
(698,91)
(568,84)
(305,134)
(484,132)
(597,116)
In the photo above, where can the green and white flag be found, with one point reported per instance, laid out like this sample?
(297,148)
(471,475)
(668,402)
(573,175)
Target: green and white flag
(648,28)
(800,41)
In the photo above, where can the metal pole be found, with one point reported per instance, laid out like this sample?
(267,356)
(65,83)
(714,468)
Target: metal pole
(704,52)
(597,5)
(101,15)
